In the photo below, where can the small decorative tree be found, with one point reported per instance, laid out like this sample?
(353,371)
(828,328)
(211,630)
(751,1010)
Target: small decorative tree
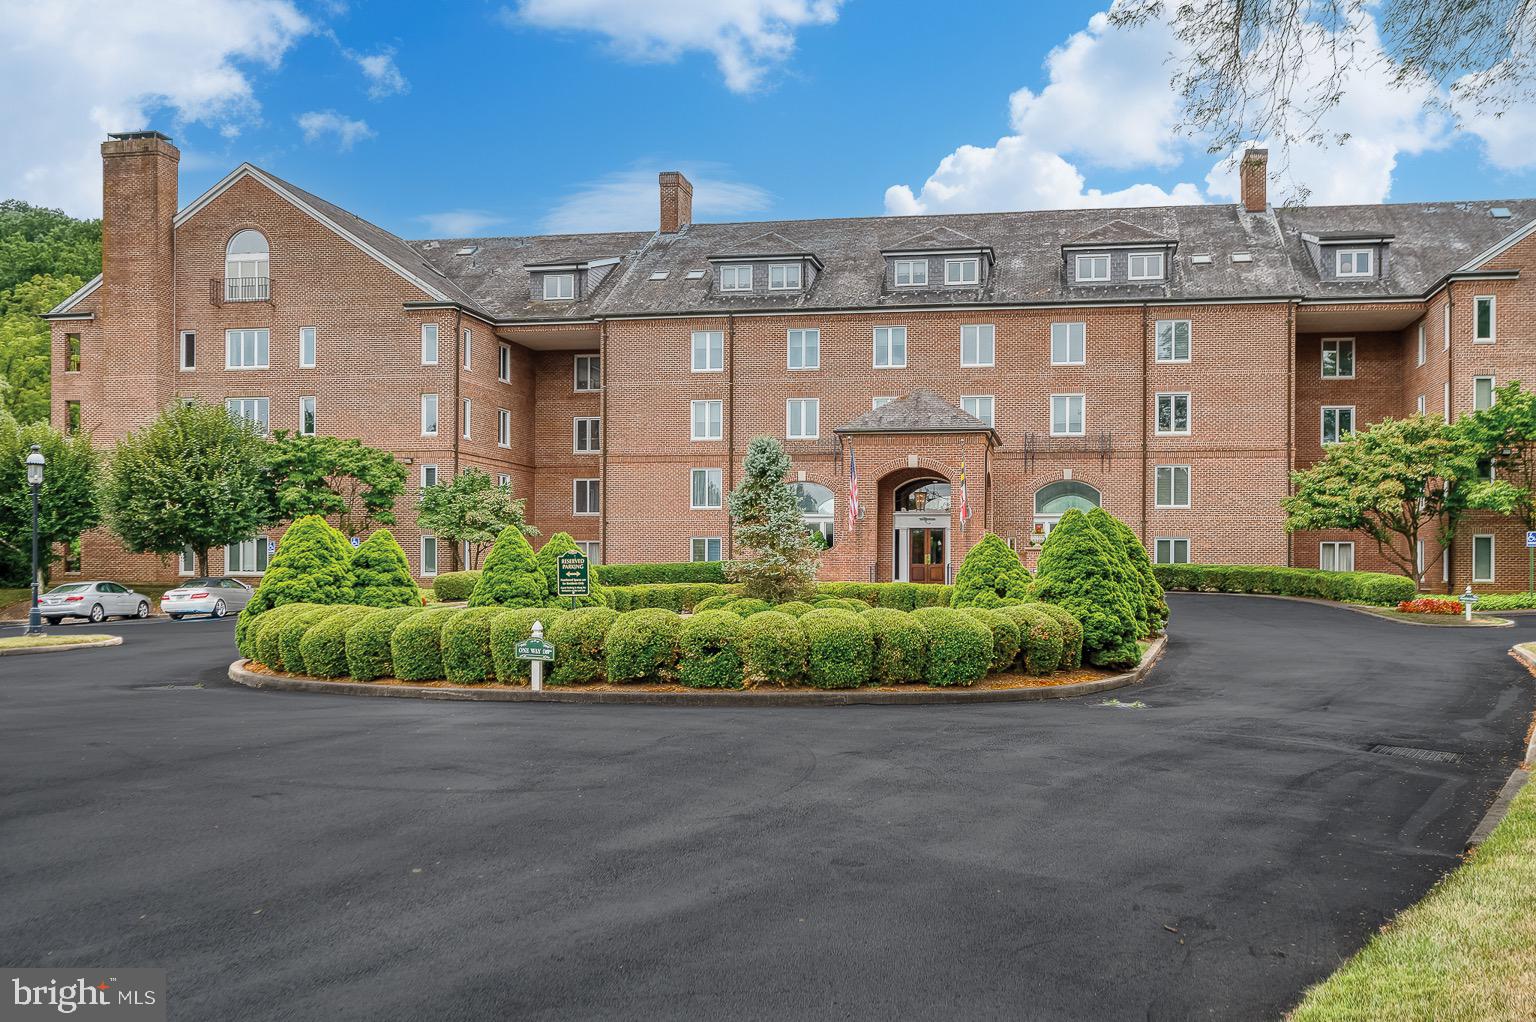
(381,576)
(511,576)
(1151,588)
(471,509)
(1080,570)
(991,576)
(1130,581)
(549,556)
(313,564)
(781,559)
(335,476)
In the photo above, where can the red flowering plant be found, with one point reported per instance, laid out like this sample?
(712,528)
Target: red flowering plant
(1430,605)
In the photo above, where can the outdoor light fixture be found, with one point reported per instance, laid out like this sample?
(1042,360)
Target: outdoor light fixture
(35,463)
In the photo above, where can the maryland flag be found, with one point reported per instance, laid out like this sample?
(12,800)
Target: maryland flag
(965,504)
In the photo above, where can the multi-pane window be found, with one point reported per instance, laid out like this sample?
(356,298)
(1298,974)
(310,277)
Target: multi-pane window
(503,479)
(736,277)
(978,344)
(1066,415)
(559,286)
(188,350)
(247,262)
(1482,558)
(783,277)
(802,418)
(589,373)
(1338,422)
(245,349)
(1092,267)
(306,347)
(1423,346)
(1172,550)
(590,550)
(1338,358)
(428,476)
(248,557)
(429,344)
(959,272)
(1145,266)
(504,363)
(252,409)
(72,353)
(469,348)
(503,428)
(429,415)
(705,548)
(804,349)
(1483,318)
(186,562)
(1172,488)
(1172,340)
(587,435)
(979,405)
(876,402)
(429,555)
(890,347)
(1354,262)
(586,498)
(1482,393)
(1069,344)
(910,272)
(466,416)
(1172,414)
(306,416)
(707,420)
(1333,555)
(708,493)
(708,351)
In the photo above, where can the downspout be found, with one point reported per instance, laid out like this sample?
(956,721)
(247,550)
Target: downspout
(729,416)
(1146,340)
(602,457)
(458,410)
(1447,342)
(1290,421)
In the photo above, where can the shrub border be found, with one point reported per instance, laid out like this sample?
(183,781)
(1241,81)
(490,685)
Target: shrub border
(1370,610)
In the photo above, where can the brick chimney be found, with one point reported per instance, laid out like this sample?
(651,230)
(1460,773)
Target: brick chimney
(676,201)
(137,305)
(1254,175)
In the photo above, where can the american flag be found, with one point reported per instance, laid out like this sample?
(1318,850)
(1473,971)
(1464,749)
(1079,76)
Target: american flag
(853,492)
(965,505)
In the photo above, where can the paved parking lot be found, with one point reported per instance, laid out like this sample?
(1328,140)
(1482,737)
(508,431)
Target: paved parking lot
(291,856)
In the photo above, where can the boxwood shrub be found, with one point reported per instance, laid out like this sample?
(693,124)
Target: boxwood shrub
(709,650)
(416,646)
(1372,587)
(324,646)
(1040,635)
(641,646)
(466,646)
(839,648)
(959,646)
(901,646)
(745,606)
(794,608)
(368,655)
(579,652)
(679,596)
(990,576)
(452,586)
(1005,635)
(1071,634)
(772,649)
(834,603)
(261,638)
(507,631)
(1507,601)
(896,595)
(292,631)
(647,574)
(715,602)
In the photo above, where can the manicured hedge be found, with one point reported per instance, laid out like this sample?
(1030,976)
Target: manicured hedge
(641,646)
(900,646)
(959,646)
(1005,635)
(466,646)
(709,650)
(1370,587)
(895,595)
(772,649)
(579,651)
(261,638)
(1506,601)
(292,631)
(452,586)
(833,603)
(368,655)
(511,628)
(839,649)
(1071,634)
(747,606)
(794,608)
(679,596)
(416,647)
(648,574)
(324,645)
(1040,634)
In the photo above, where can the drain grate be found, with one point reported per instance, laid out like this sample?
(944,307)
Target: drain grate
(1409,752)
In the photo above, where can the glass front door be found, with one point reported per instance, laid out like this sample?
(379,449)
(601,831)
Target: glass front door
(925,551)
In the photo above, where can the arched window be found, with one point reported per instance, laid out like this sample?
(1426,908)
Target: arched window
(1058,498)
(246,268)
(816,504)
(924,495)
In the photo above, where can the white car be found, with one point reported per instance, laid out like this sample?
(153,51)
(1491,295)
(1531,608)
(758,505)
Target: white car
(95,601)
(212,596)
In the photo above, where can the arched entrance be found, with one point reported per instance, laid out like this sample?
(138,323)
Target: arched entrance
(1055,499)
(920,520)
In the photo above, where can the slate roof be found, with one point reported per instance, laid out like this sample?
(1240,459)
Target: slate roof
(1118,232)
(921,411)
(496,281)
(940,237)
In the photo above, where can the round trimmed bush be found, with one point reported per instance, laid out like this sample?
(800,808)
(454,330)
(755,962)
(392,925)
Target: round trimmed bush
(772,649)
(313,564)
(641,646)
(466,646)
(416,647)
(291,636)
(897,596)
(709,653)
(1040,635)
(991,576)
(453,586)
(839,648)
(794,608)
(368,655)
(511,576)
(1005,636)
(579,650)
(261,639)
(901,646)
(512,627)
(959,646)
(840,603)
(324,646)
(1071,634)
(380,575)
(715,603)
(746,606)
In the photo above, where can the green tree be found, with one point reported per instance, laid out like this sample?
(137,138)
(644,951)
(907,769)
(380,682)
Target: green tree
(1080,570)
(780,558)
(313,564)
(381,576)
(1396,482)
(549,555)
(26,346)
(1505,439)
(511,577)
(195,477)
(68,504)
(1131,584)
(35,241)
(338,477)
(471,509)
(990,576)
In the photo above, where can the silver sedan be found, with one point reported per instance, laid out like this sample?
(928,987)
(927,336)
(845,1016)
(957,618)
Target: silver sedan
(212,596)
(95,601)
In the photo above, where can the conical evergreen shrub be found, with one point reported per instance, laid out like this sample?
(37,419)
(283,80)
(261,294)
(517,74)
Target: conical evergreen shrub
(1151,589)
(1082,571)
(510,576)
(991,576)
(549,554)
(313,564)
(381,576)
(1134,593)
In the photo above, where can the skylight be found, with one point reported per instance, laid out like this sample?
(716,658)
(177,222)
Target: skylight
(468,250)
(659,275)
(1200,260)
(1499,212)
(695,274)
(1242,257)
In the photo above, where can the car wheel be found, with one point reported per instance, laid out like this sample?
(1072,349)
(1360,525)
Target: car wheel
(219,610)
(97,614)
(143,611)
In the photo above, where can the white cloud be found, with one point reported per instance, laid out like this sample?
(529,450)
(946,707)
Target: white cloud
(458,223)
(77,69)
(630,201)
(384,78)
(746,37)
(319,124)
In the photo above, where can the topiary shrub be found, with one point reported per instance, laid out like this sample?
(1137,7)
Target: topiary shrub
(1005,635)
(512,627)
(1082,570)
(772,649)
(709,650)
(415,649)
(959,646)
(466,646)
(324,646)
(313,564)
(831,603)
(715,603)
(1130,583)
(453,586)
(1071,634)
(679,597)
(549,553)
(367,643)
(641,646)
(839,648)
(901,646)
(511,576)
(1040,635)
(1151,590)
(991,576)
(580,656)
(654,574)
(380,575)
(794,608)
(932,594)
(261,640)
(897,596)
(290,636)
(745,607)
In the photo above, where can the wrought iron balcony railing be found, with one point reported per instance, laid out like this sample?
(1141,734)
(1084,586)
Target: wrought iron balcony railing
(241,289)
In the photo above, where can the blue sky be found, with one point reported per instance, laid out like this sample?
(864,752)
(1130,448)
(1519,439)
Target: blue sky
(518,117)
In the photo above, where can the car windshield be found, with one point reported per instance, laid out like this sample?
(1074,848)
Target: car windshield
(73,587)
(199,582)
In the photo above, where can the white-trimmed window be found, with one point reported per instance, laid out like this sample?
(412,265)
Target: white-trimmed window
(467,416)
(1482,393)
(1484,319)
(1172,490)
(188,350)
(586,435)
(429,554)
(708,420)
(1171,550)
(586,496)
(978,344)
(559,286)
(704,548)
(1422,404)
(1172,340)
(306,347)
(980,405)
(1338,422)
(1069,344)
(804,349)
(1445,327)
(876,402)
(1336,555)
(1173,414)
(1092,267)
(428,476)
(736,277)
(783,277)
(708,351)
(469,347)
(429,344)
(248,557)
(186,562)
(708,493)
(910,272)
(1144,266)
(589,373)
(590,549)
(1067,415)
(503,479)
(1338,358)
(1423,346)
(1354,262)
(247,265)
(503,428)
(962,272)
(504,362)
(1482,558)
(802,418)
(246,349)
(252,409)
(890,347)
(429,415)
(306,416)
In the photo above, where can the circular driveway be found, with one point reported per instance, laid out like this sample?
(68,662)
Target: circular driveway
(297,856)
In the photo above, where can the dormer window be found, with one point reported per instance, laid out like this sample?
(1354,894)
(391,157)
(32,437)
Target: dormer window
(736,278)
(910,272)
(559,286)
(784,277)
(1092,268)
(1145,266)
(962,272)
(1355,262)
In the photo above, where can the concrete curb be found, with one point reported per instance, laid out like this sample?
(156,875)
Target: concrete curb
(1500,807)
(113,640)
(754,698)
(1356,608)
(1529,662)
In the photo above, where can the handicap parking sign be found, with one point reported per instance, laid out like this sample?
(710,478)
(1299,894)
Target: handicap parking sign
(355,542)
(1530,539)
(271,547)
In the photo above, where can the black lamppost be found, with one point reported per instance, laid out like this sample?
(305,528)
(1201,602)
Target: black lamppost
(35,463)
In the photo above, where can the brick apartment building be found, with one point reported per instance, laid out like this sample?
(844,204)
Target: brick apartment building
(1170,364)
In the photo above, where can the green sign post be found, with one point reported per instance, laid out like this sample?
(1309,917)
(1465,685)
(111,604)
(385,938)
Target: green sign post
(536,649)
(573,576)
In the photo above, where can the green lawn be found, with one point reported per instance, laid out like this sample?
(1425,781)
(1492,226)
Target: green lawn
(1466,953)
(34,641)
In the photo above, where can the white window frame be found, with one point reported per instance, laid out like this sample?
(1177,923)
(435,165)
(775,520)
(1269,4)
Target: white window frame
(233,406)
(784,271)
(591,549)
(186,562)
(909,265)
(428,539)
(1089,258)
(812,404)
(431,399)
(1354,255)
(982,335)
(594,430)
(790,347)
(1493,318)
(694,408)
(1445,326)
(876,402)
(1339,344)
(1492,387)
(1492,557)
(503,479)
(568,287)
(467,416)
(504,362)
(591,486)
(314,416)
(576,364)
(468,337)
(733,272)
(1172,541)
(1423,404)
(693,542)
(258,550)
(261,341)
(961,262)
(1173,341)
(1157,413)
(1082,403)
(1336,546)
(1065,332)
(308,336)
(693,487)
(991,417)
(1130,266)
(890,334)
(1172,472)
(428,470)
(183,349)
(1445,400)
(503,428)
(429,342)
(1423,351)
(710,350)
(1322,423)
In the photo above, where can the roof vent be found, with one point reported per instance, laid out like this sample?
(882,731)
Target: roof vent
(468,250)
(659,275)
(695,274)
(1499,212)
(1200,260)
(1242,257)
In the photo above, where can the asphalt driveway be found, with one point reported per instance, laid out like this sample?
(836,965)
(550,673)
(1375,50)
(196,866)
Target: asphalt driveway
(293,856)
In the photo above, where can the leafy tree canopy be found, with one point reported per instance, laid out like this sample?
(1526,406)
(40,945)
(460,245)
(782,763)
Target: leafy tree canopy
(67,503)
(35,241)
(1505,438)
(26,345)
(335,477)
(780,557)
(472,509)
